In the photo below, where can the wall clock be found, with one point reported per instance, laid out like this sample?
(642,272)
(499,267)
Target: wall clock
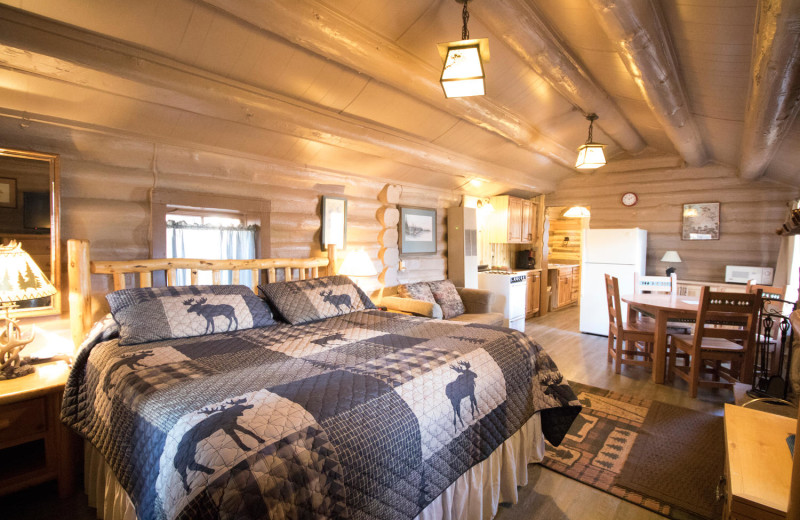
(630,199)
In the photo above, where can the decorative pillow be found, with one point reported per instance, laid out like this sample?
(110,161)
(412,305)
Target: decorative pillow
(303,301)
(417,291)
(151,314)
(445,294)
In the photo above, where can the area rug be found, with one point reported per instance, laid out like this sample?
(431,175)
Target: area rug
(659,456)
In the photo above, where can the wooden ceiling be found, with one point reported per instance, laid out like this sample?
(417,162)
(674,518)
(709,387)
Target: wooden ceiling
(352,85)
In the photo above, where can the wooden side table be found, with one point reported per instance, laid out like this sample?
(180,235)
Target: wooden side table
(34,445)
(758,464)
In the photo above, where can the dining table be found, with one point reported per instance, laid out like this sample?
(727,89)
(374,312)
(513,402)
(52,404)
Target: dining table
(672,307)
(664,308)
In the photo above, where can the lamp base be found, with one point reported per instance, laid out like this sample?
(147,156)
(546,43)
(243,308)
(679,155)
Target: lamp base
(11,344)
(670,270)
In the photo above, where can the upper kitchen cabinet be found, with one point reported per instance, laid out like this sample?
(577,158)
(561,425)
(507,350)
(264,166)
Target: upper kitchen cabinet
(512,221)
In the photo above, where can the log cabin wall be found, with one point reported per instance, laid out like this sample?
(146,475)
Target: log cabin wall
(565,237)
(750,211)
(106,181)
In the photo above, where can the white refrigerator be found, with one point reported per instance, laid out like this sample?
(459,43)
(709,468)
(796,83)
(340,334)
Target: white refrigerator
(618,252)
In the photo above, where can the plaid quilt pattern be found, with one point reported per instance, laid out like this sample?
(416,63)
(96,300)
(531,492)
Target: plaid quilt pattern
(367,415)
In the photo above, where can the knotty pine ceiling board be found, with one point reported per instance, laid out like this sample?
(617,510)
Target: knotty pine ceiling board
(390,107)
(389,19)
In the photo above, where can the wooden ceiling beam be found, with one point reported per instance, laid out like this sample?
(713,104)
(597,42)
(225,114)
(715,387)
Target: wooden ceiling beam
(638,31)
(524,31)
(31,45)
(317,28)
(774,95)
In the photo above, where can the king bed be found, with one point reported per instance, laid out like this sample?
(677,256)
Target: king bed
(207,401)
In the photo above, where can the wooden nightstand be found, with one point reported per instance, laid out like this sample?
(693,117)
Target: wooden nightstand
(758,464)
(34,445)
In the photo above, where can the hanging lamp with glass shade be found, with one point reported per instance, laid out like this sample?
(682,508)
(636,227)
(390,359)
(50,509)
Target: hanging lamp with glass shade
(590,154)
(463,74)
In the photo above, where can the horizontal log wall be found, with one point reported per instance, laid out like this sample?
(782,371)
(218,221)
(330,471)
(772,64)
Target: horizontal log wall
(565,238)
(750,213)
(106,181)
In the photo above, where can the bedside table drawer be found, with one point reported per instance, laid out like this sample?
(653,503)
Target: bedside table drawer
(22,419)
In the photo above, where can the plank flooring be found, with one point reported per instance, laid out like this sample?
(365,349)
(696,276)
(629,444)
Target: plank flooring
(550,496)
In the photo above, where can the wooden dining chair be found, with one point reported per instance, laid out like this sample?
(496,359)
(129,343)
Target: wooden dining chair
(628,343)
(709,346)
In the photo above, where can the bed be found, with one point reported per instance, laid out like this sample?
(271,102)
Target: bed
(337,410)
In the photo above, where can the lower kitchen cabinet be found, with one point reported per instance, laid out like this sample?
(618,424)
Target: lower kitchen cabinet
(533,294)
(566,283)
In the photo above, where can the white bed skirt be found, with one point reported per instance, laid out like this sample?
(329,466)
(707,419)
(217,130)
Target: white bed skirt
(475,495)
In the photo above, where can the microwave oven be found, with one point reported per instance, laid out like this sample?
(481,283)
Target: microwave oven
(741,274)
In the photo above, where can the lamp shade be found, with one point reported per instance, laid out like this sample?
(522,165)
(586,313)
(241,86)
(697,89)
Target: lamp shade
(671,257)
(577,212)
(463,74)
(357,263)
(590,156)
(20,277)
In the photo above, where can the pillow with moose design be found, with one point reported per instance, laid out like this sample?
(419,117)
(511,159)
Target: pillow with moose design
(303,301)
(155,313)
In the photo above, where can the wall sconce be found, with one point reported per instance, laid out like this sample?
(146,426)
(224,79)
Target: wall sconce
(462,73)
(577,212)
(590,154)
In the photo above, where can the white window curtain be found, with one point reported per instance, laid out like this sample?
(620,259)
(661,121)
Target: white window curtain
(787,272)
(211,242)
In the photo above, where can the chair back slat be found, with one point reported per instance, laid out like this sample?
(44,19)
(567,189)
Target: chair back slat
(739,309)
(655,284)
(614,303)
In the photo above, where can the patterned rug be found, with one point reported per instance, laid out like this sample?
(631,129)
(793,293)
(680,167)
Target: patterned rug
(662,457)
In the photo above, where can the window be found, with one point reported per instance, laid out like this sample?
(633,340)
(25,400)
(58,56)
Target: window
(201,225)
(210,236)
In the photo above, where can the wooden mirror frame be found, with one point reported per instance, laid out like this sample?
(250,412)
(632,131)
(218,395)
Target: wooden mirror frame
(55,230)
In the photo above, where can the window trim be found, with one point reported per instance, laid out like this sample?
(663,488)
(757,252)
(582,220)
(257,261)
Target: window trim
(255,211)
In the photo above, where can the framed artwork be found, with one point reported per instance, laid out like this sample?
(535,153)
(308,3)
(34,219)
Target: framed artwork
(701,221)
(8,193)
(334,222)
(417,230)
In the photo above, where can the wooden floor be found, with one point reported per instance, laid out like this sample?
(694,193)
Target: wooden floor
(550,496)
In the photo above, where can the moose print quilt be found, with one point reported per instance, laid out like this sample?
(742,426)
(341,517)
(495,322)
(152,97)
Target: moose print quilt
(365,415)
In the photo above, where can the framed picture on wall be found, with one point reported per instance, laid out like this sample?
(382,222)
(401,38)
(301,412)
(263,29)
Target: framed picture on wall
(334,222)
(8,193)
(417,230)
(701,221)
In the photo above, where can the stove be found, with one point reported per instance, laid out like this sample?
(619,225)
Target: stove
(510,290)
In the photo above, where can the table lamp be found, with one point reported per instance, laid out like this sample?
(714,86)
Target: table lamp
(357,264)
(20,279)
(673,258)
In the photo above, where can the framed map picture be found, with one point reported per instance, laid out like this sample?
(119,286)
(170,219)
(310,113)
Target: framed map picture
(334,222)
(417,230)
(8,193)
(701,221)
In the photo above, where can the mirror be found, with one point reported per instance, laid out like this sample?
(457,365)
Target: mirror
(29,214)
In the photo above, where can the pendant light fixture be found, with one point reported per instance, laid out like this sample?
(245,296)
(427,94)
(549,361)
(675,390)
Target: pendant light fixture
(577,212)
(462,73)
(590,154)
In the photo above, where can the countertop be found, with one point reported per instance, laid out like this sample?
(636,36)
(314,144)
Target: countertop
(562,266)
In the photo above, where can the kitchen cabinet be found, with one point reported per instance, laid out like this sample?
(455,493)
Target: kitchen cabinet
(534,290)
(566,281)
(512,221)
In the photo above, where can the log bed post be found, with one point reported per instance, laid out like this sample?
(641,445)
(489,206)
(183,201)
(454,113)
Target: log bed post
(80,302)
(331,259)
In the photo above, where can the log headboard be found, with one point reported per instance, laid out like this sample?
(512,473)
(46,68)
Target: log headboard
(80,269)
